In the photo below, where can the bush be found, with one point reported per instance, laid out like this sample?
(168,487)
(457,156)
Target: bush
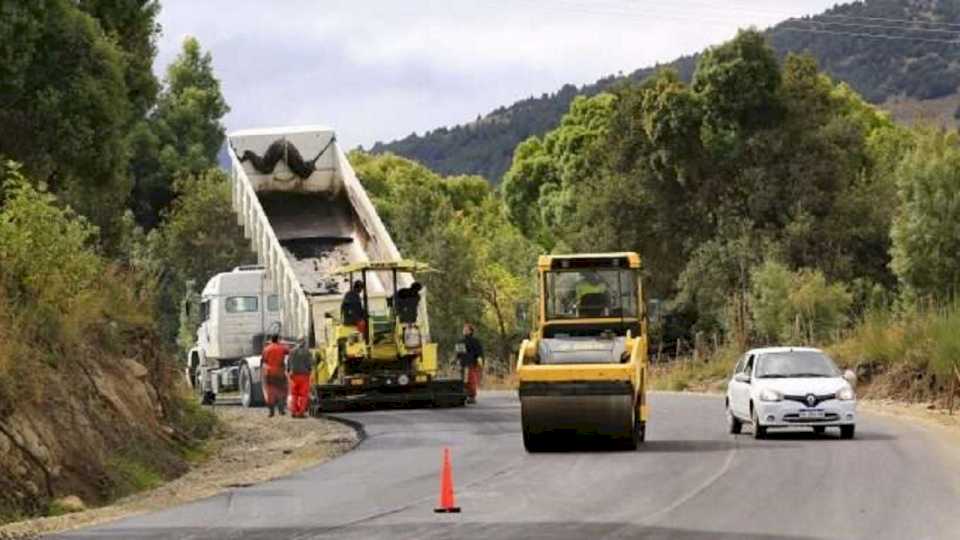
(797,306)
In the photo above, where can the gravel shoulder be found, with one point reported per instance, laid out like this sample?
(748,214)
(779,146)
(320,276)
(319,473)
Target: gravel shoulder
(248,448)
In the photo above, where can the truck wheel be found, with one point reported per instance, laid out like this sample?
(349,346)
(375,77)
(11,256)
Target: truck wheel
(846,432)
(207,398)
(251,393)
(641,432)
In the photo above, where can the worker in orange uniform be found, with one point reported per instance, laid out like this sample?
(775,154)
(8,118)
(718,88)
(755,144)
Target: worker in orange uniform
(299,365)
(274,380)
(470,353)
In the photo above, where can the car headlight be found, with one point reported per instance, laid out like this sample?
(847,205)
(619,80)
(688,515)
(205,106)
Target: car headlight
(769,394)
(846,394)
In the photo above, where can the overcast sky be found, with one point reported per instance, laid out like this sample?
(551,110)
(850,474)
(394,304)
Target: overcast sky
(381,69)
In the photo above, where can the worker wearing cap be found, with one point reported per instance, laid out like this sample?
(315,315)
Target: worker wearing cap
(470,353)
(299,365)
(274,380)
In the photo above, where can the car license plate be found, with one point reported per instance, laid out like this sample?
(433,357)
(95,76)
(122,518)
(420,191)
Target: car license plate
(812,414)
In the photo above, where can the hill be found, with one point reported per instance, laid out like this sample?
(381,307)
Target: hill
(902,54)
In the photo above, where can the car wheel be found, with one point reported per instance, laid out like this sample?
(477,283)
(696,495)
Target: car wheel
(733,423)
(819,430)
(759,432)
(846,432)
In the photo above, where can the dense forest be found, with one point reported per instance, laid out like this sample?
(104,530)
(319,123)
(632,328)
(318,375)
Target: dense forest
(110,200)
(920,63)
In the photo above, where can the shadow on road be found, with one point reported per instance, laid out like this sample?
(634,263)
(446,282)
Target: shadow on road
(443,528)
(680,446)
(830,435)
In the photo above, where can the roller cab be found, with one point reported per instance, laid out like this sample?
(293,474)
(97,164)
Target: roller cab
(582,373)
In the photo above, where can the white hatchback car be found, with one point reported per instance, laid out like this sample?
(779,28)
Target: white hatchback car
(783,387)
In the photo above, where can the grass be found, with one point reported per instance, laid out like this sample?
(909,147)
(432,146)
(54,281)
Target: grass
(908,356)
(687,374)
(130,475)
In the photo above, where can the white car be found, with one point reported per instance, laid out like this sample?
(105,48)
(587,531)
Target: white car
(786,387)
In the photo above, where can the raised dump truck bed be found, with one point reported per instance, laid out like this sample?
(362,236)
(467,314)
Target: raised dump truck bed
(307,215)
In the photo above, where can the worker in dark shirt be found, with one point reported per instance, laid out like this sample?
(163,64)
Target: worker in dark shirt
(299,366)
(470,354)
(407,301)
(351,309)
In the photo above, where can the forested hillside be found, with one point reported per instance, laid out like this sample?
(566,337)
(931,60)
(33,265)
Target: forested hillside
(110,199)
(919,60)
(770,204)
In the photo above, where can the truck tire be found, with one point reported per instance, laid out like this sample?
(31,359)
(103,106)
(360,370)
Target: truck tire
(846,432)
(251,392)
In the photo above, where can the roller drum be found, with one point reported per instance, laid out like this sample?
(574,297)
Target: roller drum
(555,421)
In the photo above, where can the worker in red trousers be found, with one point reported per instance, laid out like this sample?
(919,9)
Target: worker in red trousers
(299,365)
(470,353)
(274,381)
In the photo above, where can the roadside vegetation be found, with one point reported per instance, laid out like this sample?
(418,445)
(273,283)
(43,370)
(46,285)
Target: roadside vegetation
(770,204)
(110,198)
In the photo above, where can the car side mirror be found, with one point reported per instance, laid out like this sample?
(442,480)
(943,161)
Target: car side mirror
(850,377)
(742,377)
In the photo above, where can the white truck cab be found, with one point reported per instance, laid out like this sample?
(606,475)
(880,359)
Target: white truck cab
(237,310)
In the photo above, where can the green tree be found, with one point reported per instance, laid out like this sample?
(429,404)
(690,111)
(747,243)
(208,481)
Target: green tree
(458,226)
(133,26)
(797,306)
(926,231)
(198,239)
(181,136)
(538,190)
(64,105)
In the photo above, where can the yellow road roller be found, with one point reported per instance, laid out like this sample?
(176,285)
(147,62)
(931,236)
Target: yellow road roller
(582,373)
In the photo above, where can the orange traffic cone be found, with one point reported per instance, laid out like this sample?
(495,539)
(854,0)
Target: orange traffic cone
(447,505)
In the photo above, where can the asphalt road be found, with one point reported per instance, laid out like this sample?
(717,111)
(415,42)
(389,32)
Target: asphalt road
(691,481)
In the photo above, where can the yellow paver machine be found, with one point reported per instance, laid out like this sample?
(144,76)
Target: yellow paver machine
(583,371)
(384,355)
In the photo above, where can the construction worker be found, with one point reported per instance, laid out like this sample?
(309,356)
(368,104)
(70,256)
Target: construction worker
(407,301)
(274,381)
(591,293)
(351,309)
(299,365)
(470,353)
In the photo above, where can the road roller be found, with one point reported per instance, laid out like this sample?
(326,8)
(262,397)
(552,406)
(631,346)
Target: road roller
(583,370)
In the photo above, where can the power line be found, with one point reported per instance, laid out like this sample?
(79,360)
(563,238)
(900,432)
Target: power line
(626,10)
(785,25)
(869,35)
(876,26)
(741,8)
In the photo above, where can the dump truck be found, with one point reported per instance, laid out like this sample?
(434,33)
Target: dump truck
(307,217)
(583,371)
(237,309)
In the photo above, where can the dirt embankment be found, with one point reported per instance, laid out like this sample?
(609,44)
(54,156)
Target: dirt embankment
(247,448)
(90,429)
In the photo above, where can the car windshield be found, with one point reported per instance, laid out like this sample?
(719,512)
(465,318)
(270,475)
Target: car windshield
(586,292)
(796,364)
